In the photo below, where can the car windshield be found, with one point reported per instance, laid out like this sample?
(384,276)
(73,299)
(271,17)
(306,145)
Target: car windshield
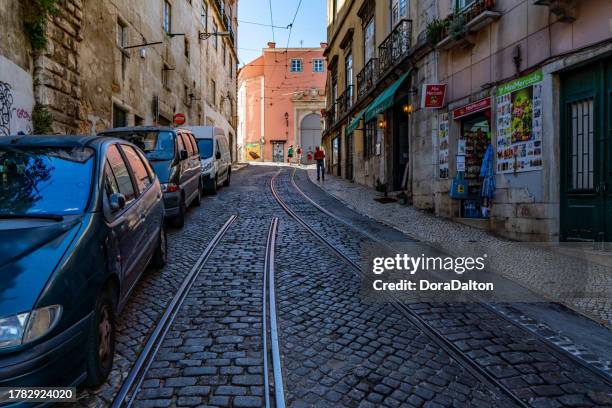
(40,181)
(206,148)
(156,145)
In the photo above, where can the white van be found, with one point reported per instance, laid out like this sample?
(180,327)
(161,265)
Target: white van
(215,156)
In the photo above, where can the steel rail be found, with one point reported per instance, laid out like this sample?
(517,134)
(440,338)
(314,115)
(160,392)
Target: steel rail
(131,385)
(459,356)
(269,299)
(547,343)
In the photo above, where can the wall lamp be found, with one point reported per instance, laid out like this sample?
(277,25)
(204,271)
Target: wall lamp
(408,108)
(287,118)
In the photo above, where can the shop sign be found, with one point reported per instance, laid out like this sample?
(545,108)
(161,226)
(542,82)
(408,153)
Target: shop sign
(433,96)
(519,124)
(443,146)
(474,107)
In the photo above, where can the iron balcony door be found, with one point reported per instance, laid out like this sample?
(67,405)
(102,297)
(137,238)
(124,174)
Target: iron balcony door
(586,201)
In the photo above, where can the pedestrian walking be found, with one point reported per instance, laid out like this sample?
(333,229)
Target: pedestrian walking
(487,177)
(290,154)
(319,156)
(299,155)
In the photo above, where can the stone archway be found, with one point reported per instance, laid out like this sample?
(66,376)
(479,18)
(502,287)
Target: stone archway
(310,135)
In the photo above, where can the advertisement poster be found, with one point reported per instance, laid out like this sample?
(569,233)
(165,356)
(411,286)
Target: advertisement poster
(519,125)
(443,146)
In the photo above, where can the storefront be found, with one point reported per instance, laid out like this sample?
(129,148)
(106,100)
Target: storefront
(475,137)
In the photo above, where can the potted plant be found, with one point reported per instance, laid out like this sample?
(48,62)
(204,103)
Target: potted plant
(436,31)
(381,187)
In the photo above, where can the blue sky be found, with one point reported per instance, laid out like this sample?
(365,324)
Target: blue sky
(309,27)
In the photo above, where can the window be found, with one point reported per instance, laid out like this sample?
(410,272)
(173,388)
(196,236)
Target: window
(461,4)
(138,120)
(121,173)
(143,180)
(119,117)
(224,53)
(187,143)
(296,65)
(399,10)
(231,67)
(122,34)
(165,76)
(206,148)
(215,37)
(348,78)
(194,145)
(204,15)
(167,16)
(213,92)
(110,183)
(369,41)
(187,50)
(318,65)
(369,138)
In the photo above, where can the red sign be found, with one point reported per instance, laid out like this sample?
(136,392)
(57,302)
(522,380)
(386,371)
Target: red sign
(474,107)
(179,119)
(433,96)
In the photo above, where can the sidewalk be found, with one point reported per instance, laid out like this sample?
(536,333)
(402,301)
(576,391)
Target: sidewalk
(545,269)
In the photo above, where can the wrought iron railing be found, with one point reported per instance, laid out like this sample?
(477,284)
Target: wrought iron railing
(345,101)
(330,117)
(396,46)
(367,77)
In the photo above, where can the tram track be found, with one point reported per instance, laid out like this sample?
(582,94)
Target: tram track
(419,319)
(552,347)
(130,387)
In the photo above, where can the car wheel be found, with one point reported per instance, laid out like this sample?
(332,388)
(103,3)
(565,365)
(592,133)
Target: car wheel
(214,188)
(227,181)
(160,256)
(179,220)
(101,343)
(198,200)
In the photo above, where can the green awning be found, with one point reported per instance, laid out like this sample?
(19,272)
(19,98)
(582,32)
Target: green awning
(386,99)
(354,124)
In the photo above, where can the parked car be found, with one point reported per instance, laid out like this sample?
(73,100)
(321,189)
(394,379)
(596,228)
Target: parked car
(175,158)
(215,156)
(81,218)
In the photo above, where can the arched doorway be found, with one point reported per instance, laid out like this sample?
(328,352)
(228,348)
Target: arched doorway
(310,136)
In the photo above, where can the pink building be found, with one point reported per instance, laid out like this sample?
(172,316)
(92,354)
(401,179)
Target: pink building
(280,98)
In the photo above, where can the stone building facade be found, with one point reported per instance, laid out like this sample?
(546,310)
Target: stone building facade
(280,98)
(113,63)
(529,78)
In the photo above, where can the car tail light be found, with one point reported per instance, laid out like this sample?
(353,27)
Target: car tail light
(169,188)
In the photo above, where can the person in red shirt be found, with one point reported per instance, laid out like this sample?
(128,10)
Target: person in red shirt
(319,156)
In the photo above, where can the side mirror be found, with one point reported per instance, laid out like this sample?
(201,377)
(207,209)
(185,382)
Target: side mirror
(218,156)
(117,202)
(184,155)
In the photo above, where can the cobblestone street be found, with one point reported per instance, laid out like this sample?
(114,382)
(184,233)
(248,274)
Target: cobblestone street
(338,347)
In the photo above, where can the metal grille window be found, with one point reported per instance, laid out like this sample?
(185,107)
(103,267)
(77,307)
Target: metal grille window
(369,137)
(296,65)
(167,17)
(582,145)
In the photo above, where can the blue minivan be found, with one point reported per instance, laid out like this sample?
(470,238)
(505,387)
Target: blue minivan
(81,219)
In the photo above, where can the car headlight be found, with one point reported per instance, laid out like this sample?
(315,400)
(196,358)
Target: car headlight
(26,327)
(207,167)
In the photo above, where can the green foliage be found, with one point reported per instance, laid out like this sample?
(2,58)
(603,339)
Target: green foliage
(36,14)
(42,120)
(436,31)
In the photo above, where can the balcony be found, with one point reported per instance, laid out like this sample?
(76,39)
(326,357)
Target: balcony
(345,101)
(366,79)
(470,20)
(395,47)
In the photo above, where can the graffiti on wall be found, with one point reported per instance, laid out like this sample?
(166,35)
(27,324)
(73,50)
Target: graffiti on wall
(16,99)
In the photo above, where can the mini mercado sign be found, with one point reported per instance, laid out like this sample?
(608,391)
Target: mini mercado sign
(433,96)
(471,108)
